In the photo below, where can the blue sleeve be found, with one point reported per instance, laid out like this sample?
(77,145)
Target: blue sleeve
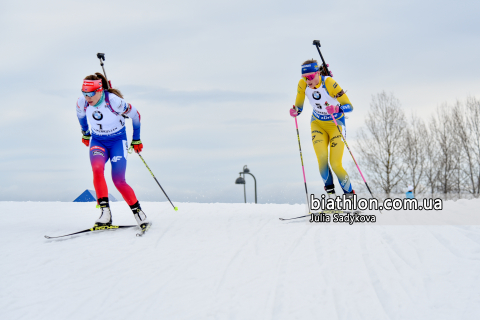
(346,108)
(299,110)
(135,116)
(81,114)
(136,127)
(130,111)
(83,123)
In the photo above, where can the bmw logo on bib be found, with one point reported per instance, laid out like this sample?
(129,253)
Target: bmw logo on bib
(97,115)
(316,95)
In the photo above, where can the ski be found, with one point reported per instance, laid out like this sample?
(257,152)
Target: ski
(145,228)
(325,212)
(95,228)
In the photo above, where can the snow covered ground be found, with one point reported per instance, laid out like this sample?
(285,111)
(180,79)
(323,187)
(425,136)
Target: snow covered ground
(238,261)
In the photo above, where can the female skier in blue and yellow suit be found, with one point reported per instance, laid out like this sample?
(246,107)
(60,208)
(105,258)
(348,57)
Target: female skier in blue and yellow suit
(328,100)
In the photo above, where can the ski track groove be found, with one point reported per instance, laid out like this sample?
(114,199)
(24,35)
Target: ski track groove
(445,244)
(390,242)
(276,307)
(442,277)
(345,311)
(370,273)
(324,258)
(165,231)
(405,275)
(471,235)
(236,254)
(396,251)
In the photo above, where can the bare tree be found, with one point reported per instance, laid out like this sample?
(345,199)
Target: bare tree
(467,132)
(381,142)
(442,129)
(441,157)
(415,142)
(431,168)
(467,162)
(472,108)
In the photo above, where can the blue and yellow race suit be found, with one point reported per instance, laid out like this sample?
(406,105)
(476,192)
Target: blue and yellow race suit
(324,131)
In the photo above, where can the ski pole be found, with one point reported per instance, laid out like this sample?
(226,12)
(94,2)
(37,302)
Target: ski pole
(345,141)
(101,56)
(301,159)
(175,208)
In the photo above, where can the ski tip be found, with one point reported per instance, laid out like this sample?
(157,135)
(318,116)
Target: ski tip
(47,237)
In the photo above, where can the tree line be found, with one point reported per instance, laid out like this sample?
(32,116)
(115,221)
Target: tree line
(437,156)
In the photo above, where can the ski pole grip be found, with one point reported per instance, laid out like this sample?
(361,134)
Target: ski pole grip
(316,43)
(101,56)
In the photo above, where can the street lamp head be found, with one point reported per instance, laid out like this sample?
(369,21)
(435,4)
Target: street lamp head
(245,169)
(240,180)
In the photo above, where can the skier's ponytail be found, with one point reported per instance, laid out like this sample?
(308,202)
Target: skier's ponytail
(99,76)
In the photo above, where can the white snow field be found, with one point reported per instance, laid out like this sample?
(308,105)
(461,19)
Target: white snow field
(238,261)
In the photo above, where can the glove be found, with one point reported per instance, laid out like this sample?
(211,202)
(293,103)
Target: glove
(293,112)
(332,109)
(137,145)
(86,137)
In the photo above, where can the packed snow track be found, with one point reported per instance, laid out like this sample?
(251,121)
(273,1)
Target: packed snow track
(238,261)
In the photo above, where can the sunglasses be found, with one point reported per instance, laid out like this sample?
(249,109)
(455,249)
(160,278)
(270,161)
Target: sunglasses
(310,77)
(89,94)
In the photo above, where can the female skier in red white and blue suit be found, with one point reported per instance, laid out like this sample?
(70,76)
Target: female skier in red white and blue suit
(106,111)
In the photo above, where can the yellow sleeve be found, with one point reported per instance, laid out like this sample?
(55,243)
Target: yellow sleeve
(302,85)
(334,89)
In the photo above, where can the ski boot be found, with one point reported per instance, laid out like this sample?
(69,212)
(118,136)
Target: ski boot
(349,195)
(351,206)
(330,190)
(140,216)
(106,216)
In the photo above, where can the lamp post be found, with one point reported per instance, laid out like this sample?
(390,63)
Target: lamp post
(241,180)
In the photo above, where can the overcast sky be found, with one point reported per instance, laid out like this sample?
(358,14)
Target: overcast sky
(213,81)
